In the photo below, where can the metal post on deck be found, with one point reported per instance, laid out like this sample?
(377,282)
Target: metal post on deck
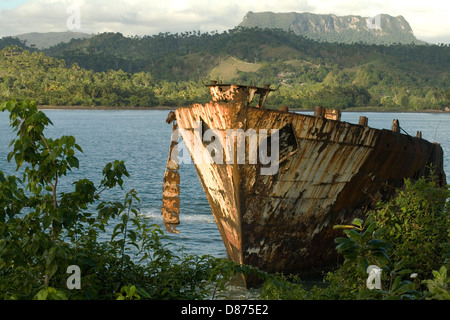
(396,126)
(318,111)
(363,121)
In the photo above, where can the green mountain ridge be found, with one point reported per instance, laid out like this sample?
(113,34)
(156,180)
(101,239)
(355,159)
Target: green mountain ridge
(381,29)
(171,69)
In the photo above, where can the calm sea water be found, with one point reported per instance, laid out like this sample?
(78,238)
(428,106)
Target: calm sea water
(141,138)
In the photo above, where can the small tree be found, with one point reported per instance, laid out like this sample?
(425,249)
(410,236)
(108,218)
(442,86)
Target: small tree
(34,218)
(43,231)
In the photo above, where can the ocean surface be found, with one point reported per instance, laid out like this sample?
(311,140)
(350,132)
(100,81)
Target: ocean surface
(141,138)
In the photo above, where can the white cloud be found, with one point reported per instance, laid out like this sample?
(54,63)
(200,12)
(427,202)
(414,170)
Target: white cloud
(429,19)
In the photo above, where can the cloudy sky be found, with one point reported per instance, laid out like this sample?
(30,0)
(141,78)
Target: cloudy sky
(429,19)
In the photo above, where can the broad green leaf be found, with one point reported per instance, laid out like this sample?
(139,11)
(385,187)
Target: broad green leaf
(358,222)
(73,162)
(41,295)
(353,234)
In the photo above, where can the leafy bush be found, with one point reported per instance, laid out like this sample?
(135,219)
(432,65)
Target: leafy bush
(416,223)
(44,231)
(438,286)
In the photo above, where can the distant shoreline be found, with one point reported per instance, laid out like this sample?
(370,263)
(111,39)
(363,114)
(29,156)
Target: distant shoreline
(173,108)
(103,108)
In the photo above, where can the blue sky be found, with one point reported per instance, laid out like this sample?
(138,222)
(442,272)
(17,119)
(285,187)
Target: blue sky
(11,4)
(430,20)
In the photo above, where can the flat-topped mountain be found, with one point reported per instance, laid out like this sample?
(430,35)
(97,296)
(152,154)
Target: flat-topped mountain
(380,29)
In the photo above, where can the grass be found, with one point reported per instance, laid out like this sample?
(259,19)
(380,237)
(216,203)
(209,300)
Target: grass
(229,68)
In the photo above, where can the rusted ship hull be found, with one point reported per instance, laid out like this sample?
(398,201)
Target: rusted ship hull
(329,172)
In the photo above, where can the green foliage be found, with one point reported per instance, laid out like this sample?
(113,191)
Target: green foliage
(416,223)
(12,41)
(280,287)
(438,286)
(48,81)
(361,247)
(131,293)
(170,70)
(399,290)
(44,231)
(49,293)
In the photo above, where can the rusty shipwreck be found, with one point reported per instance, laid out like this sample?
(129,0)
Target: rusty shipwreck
(329,172)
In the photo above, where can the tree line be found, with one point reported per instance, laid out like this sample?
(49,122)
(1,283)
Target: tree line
(47,81)
(171,69)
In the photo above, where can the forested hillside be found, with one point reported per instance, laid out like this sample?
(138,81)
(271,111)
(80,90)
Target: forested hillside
(171,69)
(48,81)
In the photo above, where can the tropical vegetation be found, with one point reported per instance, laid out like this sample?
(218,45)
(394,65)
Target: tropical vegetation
(45,232)
(167,69)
